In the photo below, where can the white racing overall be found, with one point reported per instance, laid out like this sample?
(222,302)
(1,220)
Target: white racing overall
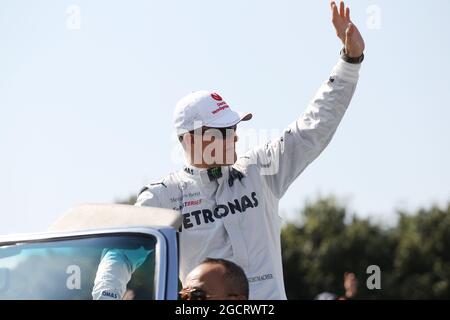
(235,216)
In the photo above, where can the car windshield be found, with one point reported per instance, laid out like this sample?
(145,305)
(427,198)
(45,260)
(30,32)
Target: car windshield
(67,268)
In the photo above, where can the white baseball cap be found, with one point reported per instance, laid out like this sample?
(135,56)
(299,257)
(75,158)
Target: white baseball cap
(205,108)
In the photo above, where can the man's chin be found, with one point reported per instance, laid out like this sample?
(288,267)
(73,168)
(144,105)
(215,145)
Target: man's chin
(232,160)
(225,163)
(229,160)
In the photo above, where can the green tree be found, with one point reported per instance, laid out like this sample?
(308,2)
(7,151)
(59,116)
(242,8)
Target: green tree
(422,257)
(324,242)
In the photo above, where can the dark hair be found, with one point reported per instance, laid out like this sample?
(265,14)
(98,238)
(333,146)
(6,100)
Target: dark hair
(234,273)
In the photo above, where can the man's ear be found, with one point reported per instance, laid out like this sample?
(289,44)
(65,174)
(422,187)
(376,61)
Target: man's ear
(186,138)
(186,141)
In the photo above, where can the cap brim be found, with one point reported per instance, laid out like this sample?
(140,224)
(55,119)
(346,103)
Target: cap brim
(245,116)
(230,119)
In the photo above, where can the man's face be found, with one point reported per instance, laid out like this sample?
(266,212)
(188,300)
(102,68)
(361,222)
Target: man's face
(207,282)
(211,146)
(350,284)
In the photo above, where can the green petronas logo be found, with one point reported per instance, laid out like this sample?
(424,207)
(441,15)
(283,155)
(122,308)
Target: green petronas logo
(215,172)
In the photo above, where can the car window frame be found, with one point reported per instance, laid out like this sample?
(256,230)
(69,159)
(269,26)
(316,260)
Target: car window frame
(161,246)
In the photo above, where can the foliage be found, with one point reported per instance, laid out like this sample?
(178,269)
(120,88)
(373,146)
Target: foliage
(321,245)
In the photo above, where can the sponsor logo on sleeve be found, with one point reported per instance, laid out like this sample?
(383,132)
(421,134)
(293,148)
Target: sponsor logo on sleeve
(110,294)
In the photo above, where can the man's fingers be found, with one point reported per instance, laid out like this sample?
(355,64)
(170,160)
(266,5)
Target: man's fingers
(334,10)
(347,13)
(332,4)
(342,9)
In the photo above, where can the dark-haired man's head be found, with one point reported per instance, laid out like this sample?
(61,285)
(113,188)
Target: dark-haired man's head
(216,279)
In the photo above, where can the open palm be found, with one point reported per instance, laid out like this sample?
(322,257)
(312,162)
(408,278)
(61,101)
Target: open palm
(346,31)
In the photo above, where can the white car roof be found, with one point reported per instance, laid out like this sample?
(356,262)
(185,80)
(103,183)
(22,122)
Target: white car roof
(94,216)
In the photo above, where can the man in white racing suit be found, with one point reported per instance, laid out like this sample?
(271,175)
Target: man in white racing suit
(230,206)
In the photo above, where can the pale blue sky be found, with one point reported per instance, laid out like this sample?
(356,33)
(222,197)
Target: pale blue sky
(86,114)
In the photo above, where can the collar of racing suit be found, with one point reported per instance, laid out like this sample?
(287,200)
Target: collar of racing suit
(206,176)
